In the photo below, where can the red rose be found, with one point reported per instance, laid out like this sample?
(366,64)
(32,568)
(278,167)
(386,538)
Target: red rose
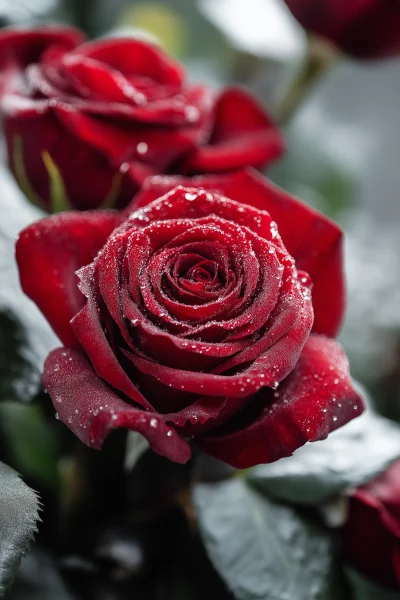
(193,319)
(99,117)
(362,28)
(372,532)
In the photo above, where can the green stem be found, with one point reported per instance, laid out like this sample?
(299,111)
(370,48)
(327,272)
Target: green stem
(318,60)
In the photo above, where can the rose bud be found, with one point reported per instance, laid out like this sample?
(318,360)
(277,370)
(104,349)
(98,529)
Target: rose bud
(372,532)
(87,122)
(207,311)
(364,29)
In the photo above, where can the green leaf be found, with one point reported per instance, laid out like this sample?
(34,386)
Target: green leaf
(39,579)
(136,446)
(18,516)
(20,173)
(58,195)
(34,446)
(363,589)
(262,550)
(25,336)
(349,457)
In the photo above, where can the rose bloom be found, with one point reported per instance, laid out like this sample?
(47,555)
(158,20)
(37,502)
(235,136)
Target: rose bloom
(89,121)
(362,28)
(372,532)
(206,311)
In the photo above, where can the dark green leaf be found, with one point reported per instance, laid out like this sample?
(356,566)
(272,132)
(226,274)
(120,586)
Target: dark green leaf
(349,457)
(32,443)
(39,579)
(262,550)
(18,517)
(363,589)
(25,336)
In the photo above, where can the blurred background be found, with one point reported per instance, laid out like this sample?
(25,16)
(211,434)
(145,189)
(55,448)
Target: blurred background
(343,143)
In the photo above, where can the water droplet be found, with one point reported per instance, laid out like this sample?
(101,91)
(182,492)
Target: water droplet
(169,433)
(153,422)
(142,148)
(334,419)
(192,113)
(190,196)
(140,99)
(57,417)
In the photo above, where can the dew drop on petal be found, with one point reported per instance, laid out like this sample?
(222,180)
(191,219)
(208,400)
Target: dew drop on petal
(192,113)
(142,148)
(190,196)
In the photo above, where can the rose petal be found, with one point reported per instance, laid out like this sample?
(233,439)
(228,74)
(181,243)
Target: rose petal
(90,333)
(314,241)
(385,489)
(206,413)
(158,147)
(191,203)
(266,371)
(134,57)
(49,252)
(243,134)
(33,123)
(365,29)
(19,47)
(95,80)
(94,88)
(87,406)
(175,351)
(315,399)
(158,185)
(369,544)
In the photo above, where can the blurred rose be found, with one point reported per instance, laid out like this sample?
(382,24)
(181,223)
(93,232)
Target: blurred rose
(90,121)
(193,318)
(362,28)
(372,533)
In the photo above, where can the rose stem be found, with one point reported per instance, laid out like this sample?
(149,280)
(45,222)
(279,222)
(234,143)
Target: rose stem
(320,56)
